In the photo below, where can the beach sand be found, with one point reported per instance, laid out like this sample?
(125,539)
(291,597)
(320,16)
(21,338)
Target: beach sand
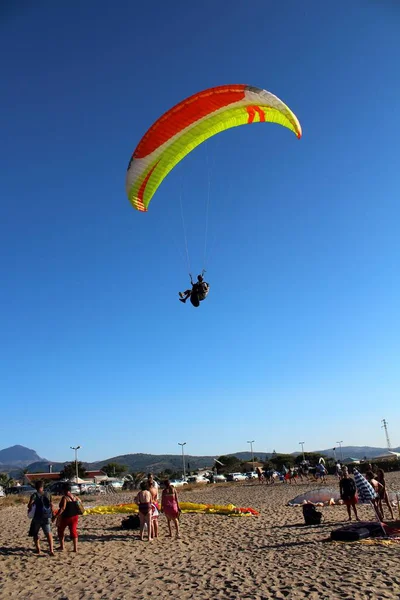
(272,556)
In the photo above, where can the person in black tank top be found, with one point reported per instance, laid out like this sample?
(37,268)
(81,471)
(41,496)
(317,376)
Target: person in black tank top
(68,516)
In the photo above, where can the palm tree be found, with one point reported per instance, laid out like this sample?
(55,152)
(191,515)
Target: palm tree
(5,480)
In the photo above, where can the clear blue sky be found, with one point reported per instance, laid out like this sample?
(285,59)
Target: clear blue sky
(300,336)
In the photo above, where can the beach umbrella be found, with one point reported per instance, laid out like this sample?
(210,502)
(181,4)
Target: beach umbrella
(366,492)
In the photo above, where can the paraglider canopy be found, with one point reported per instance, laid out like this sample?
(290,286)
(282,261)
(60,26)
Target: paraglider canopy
(192,122)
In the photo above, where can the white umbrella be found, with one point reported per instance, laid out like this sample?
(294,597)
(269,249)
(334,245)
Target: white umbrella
(77,480)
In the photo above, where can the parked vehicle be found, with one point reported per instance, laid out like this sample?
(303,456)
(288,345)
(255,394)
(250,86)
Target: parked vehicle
(92,488)
(178,482)
(115,484)
(20,490)
(219,478)
(236,477)
(251,475)
(2,493)
(197,479)
(56,488)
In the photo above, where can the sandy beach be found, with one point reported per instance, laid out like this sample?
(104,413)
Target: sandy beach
(267,557)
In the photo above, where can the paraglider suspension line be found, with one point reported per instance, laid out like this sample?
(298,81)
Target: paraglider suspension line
(207,207)
(184,232)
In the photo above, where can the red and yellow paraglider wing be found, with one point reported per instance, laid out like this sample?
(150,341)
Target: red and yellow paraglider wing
(190,123)
(186,507)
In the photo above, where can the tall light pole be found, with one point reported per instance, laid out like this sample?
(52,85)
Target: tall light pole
(341,451)
(183,459)
(302,450)
(252,454)
(385,427)
(76,448)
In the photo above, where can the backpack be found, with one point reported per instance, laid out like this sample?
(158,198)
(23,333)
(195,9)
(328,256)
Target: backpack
(131,522)
(43,507)
(74,508)
(311,515)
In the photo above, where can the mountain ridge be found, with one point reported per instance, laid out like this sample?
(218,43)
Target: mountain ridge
(18,456)
(160,462)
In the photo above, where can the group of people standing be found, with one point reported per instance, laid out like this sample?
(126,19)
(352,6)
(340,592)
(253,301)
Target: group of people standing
(149,508)
(292,474)
(43,513)
(348,492)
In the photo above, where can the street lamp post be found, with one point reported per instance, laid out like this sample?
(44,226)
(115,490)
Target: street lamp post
(302,450)
(252,454)
(76,448)
(341,451)
(183,459)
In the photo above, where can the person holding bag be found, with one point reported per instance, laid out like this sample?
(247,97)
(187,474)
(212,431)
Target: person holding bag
(68,516)
(40,510)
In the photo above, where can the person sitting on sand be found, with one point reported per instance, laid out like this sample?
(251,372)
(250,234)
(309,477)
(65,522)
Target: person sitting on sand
(67,516)
(170,507)
(42,518)
(382,492)
(348,492)
(143,499)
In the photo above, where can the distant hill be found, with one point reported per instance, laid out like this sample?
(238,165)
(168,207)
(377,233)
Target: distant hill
(356,452)
(155,463)
(18,456)
(247,456)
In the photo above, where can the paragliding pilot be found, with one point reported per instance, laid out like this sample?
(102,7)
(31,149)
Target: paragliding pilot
(198,292)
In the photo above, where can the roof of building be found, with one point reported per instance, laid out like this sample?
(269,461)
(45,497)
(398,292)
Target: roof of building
(56,476)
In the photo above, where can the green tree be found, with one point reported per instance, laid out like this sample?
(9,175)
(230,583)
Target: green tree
(69,471)
(312,458)
(135,479)
(169,474)
(268,465)
(113,469)
(282,459)
(230,464)
(22,473)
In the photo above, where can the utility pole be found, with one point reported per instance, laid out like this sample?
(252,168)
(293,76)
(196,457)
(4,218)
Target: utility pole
(183,459)
(252,455)
(302,449)
(384,426)
(341,451)
(76,448)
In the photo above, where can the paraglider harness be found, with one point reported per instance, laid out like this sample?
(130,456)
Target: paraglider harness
(199,290)
(311,515)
